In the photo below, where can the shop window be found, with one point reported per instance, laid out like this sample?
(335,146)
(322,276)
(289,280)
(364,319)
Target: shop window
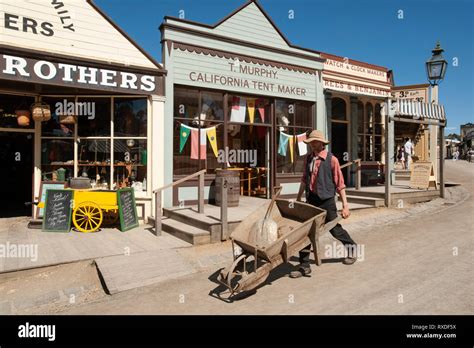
(212,107)
(369,118)
(10,105)
(189,156)
(186,103)
(126,166)
(242,109)
(360,117)
(378,120)
(369,144)
(58,126)
(130,117)
(94,162)
(338,107)
(183,164)
(94,119)
(57,154)
(290,151)
(303,114)
(130,164)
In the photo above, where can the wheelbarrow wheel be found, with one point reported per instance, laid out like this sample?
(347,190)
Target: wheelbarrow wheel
(87,217)
(110,217)
(231,276)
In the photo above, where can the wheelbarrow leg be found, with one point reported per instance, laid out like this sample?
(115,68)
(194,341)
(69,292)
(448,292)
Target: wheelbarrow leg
(314,237)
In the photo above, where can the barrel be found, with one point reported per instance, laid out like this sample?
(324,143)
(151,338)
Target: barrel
(233,187)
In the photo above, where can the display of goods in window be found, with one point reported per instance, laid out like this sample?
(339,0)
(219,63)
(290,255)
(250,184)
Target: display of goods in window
(67,119)
(23,117)
(41,112)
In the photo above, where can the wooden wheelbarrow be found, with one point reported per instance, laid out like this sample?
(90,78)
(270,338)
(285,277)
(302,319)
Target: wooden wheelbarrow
(299,224)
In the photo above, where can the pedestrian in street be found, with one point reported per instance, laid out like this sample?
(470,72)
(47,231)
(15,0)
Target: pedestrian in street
(320,181)
(401,156)
(408,147)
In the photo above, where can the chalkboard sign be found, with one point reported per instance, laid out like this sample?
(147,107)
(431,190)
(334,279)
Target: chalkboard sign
(57,211)
(127,209)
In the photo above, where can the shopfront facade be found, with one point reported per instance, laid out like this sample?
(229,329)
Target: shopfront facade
(239,97)
(105,95)
(354,93)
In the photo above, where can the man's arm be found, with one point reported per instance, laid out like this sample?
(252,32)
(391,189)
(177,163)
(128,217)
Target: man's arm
(340,186)
(345,206)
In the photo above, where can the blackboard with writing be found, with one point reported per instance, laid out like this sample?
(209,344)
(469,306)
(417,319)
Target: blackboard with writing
(57,211)
(127,209)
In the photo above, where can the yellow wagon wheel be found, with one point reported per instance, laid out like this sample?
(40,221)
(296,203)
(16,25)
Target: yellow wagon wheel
(87,217)
(110,217)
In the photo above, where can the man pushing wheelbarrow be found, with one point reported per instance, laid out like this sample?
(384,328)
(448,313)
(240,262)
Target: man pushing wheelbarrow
(321,179)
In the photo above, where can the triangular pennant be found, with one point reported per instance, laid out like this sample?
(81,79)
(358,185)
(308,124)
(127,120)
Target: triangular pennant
(237,113)
(251,108)
(184,132)
(261,108)
(292,144)
(211,135)
(283,144)
(194,143)
(302,147)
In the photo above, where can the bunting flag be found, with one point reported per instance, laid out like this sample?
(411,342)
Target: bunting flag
(184,132)
(283,144)
(238,110)
(198,140)
(292,142)
(261,108)
(211,135)
(203,150)
(302,147)
(251,108)
(194,143)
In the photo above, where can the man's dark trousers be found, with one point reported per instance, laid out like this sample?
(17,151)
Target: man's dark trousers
(337,232)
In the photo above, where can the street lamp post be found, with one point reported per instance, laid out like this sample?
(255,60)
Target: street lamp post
(436,69)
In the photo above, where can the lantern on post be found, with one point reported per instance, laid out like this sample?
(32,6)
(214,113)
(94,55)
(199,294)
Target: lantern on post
(436,66)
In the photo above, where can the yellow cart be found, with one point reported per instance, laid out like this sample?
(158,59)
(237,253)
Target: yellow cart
(92,209)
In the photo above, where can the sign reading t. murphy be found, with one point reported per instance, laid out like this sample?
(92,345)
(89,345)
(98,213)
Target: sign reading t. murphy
(18,68)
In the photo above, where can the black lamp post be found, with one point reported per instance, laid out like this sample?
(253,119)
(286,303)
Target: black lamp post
(436,66)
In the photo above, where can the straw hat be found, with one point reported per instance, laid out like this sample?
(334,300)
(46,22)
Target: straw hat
(316,135)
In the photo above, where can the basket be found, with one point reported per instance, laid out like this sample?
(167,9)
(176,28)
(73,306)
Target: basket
(67,119)
(23,117)
(41,112)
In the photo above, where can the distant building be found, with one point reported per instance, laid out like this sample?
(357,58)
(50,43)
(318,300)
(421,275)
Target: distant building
(467,134)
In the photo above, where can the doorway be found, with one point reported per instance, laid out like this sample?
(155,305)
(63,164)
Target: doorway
(339,146)
(16,174)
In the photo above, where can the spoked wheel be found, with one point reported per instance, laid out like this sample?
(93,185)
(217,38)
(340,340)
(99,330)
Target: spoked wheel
(87,217)
(237,271)
(110,217)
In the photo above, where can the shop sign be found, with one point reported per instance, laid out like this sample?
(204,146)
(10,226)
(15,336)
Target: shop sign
(78,76)
(242,75)
(415,94)
(356,70)
(355,88)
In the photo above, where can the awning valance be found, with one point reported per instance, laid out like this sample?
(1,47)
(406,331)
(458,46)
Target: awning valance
(417,110)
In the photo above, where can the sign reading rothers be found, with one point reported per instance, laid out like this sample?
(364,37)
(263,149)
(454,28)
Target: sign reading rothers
(78,76)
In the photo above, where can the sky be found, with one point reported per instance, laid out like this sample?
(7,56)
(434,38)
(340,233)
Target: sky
(368,30)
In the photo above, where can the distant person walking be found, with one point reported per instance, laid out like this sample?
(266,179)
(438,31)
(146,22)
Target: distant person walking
(401,156)
(408,147)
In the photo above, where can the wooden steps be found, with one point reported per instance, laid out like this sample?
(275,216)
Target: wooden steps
(191,226)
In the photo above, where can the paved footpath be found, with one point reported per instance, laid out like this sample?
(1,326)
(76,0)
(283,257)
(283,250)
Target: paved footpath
(417,260)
